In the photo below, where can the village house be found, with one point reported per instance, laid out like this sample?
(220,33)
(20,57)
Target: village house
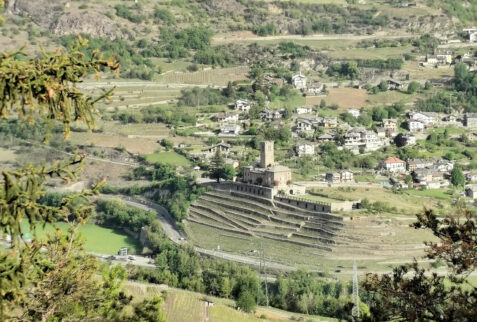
(303,110)
(471,176)
(414,164)
(442,58)
(304,125)
(243,105)
(426,118)
(390,125)
(430,179)
(470,119)
(450,119)
(354,112)
(415,126)
(305,148)
(222,147)
(371,140)
(228,117)
(323,138)
(471,33)
(329,122)
(299,81)
(314,89)
(269,114)
(395,85)
(471,191)
(443,165)
(409,140)
(353,138)
(229,130)
(394,165)
(468,59)
(381,132)
(343,176)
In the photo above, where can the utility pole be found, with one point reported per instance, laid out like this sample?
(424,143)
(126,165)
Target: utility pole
(355,310)
(264,270)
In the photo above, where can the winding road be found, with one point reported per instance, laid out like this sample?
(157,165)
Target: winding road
(177,237)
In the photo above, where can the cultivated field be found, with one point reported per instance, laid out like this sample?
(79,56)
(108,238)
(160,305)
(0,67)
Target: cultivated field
(346,98)
(217,77)
(223,310)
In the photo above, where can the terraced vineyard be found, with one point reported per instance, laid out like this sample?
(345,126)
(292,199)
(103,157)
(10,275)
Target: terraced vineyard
(258,217)
(240,223)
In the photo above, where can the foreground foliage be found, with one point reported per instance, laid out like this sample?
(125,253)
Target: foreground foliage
(414,293)
(54,279)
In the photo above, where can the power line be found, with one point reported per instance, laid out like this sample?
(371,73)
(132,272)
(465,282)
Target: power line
(355,310)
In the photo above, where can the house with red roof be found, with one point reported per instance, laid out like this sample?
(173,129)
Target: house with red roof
(393,164)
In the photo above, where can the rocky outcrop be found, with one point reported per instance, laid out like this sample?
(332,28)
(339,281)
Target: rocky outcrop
(90,23)
(57,17)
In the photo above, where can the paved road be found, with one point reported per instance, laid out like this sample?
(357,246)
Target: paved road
(177,237)
(226,38)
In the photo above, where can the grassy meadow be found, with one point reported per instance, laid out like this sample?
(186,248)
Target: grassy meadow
(97,239)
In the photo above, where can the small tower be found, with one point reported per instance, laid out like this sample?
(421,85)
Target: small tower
(266,154)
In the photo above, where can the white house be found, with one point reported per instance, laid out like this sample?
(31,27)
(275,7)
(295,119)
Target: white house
(371,140)
(427,118)
(394,165)
(472,32)
(303,125)
(305,148)
(268,114)
(353,138)
(355,112)
(416,126)
(303,110)
(299,81)
(243,105)
(228,117)
(230,130)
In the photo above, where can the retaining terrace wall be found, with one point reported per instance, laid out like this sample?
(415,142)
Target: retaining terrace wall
(260,191)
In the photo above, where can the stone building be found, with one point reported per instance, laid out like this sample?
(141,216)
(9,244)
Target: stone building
(267,173)
(470,119)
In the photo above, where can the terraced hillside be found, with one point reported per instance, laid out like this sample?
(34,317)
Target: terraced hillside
(258,217)
(241,224)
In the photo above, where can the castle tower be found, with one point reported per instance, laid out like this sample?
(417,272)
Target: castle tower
(266,154)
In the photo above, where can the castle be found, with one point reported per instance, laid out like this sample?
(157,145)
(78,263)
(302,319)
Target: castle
(267,173)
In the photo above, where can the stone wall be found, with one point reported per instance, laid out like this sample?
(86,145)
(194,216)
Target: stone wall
(259,191)
(305,204)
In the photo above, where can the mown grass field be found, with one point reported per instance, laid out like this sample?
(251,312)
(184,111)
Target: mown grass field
(432,193)
(168,157)
(97,239)
(6,155)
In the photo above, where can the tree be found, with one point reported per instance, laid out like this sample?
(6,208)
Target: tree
(383,86)
(246,302)
(228,172)
(412,293)
(217,166)
(52,278)
(457,176)
(413,87)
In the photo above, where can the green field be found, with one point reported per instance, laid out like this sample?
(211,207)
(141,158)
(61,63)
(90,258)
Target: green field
(170,157)
(432,193)
(97,239)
